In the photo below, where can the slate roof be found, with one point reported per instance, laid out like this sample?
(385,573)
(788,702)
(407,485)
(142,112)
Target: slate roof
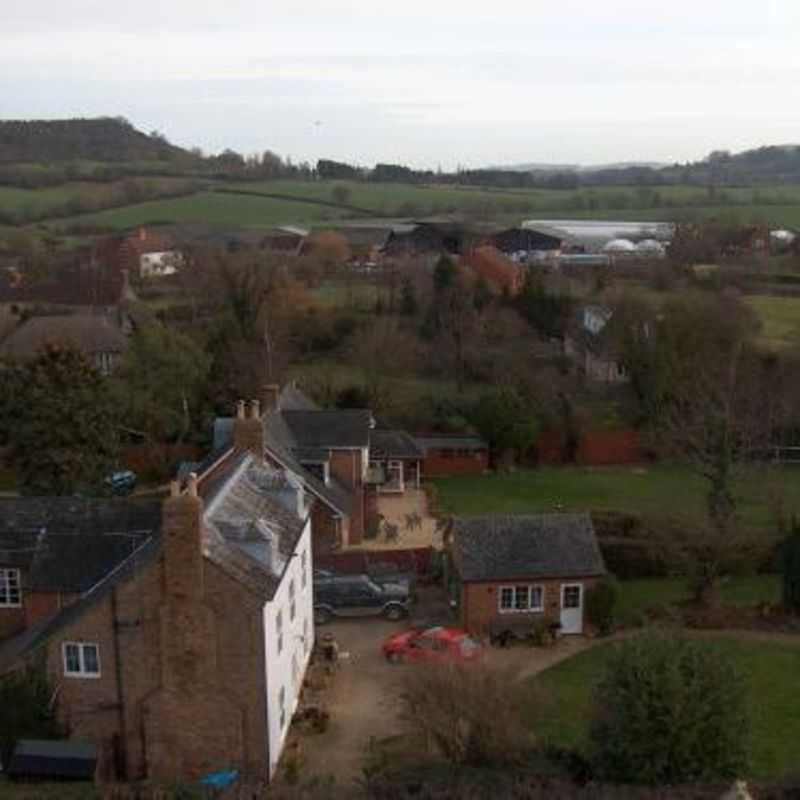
(241,526)
(293,398)
(497,547)
(329,428)
(444,442)
(86,332)
(17,646)
(393,444)
(278,440)
(91,560)
(69,544)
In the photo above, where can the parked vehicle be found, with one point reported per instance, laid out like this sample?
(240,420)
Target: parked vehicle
(431,645)
(381,573)
(358,596)
(121,482)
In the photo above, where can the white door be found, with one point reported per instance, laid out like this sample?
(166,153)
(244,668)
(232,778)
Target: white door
(571,608)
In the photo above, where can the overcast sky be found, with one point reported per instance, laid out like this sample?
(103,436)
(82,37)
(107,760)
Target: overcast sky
(424,82)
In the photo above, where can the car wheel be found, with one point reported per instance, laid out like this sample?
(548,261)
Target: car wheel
(321,616)
(394,613)
(394,658)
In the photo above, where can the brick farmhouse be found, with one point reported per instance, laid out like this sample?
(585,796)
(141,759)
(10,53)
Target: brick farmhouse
(510,570)
(175,633)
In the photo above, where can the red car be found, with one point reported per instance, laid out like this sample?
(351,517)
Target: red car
(431,644)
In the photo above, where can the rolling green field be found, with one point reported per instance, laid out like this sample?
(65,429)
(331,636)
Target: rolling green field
(781,318)
(651,491)
(777,205)
(223,210)
(80,195)
(561,700)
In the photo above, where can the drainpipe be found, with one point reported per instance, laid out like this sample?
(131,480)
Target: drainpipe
(122,754)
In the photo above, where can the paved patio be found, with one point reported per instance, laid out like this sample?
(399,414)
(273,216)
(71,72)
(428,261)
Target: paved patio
(409,513)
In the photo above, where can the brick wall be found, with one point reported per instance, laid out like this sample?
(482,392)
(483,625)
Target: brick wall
(357,562)
(325,533)
(595,448)
(436,465)
(346,467)
(480,602)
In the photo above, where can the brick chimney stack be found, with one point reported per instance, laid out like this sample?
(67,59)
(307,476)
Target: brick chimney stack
(186,623)
(248,430)
(270,392)
(182,517)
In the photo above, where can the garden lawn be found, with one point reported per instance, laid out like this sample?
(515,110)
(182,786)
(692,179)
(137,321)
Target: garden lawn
(654,491)
(781,319)
(636,597)
(560,702)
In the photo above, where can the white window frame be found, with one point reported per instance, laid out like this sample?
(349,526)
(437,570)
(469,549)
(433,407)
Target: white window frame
(530,589)
(10,582)
(81,671)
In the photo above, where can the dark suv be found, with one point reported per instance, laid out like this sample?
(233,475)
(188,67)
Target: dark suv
(358,596)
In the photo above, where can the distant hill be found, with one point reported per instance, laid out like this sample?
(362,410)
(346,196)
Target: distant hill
(103,139)
(774,164)
(542,167)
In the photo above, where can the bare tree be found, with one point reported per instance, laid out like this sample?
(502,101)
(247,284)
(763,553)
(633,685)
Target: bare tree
(717,411)
(470,713)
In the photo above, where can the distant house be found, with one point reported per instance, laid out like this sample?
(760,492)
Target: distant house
(591,344)
(501,274)
(175,633)
(342,460)
(98,338)
(524,568)
(142,254)
(445,454)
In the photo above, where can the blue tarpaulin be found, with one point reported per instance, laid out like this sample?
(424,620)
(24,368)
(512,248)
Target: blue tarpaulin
(221,780)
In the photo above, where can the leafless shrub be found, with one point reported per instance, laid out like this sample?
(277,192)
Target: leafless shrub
(470,713)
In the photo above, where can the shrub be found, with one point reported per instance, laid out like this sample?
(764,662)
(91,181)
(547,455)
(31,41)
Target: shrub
(601,601)
(669,710)
(470,712)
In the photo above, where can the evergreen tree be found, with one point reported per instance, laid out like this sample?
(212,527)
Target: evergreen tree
(669,710)
(62,430)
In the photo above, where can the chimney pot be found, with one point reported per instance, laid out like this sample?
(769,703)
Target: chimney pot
(240,410)
(193,484)
(255,409)
(174,488)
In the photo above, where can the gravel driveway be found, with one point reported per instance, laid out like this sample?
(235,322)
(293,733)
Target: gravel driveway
(363,699)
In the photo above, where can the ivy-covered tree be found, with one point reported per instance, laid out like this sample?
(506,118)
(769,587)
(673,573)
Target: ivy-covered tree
(159,381)
(669,710)
(61,423)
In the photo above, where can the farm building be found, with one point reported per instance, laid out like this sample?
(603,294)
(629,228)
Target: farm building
(592,236)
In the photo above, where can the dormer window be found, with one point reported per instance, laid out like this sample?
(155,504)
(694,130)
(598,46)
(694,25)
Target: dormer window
(10,588)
